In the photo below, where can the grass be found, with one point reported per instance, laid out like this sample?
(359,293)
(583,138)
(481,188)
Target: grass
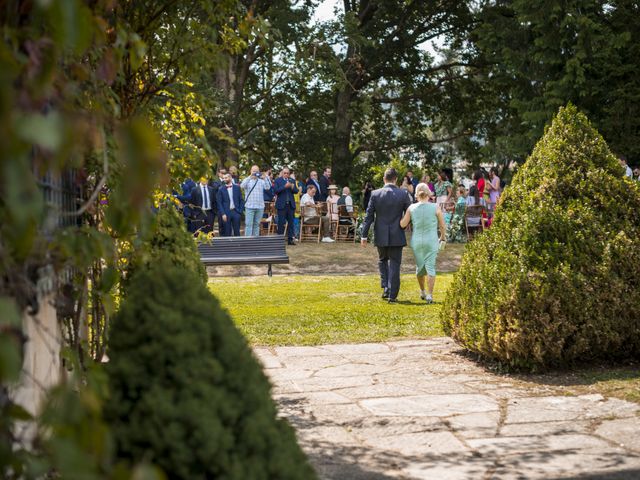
(314,310)
(623,383)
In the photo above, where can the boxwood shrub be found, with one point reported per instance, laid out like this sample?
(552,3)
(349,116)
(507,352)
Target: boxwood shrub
(556,279)
(186,392)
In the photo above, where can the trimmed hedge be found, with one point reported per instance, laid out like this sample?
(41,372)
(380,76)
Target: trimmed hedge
(186,392)
(556,279)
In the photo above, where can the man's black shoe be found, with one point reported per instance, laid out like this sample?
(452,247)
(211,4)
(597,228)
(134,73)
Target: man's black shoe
(385,296)
(393,300)
(291,242)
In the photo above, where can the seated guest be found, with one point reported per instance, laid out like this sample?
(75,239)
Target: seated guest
(332,202)
(346,200)
(230,207)
(311,216)
(473,199)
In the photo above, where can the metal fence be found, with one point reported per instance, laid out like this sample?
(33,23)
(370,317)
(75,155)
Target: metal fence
(61,198)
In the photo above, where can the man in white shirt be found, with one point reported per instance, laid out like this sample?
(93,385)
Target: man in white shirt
(346,199)
(310,213)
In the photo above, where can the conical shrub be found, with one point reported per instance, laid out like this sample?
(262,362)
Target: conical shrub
(168,239)
(556,279)
(186,392)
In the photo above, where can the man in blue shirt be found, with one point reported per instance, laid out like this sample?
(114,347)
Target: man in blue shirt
(284,188)
(254,186)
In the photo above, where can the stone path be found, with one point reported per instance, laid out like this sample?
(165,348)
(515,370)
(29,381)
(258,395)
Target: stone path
(421,410)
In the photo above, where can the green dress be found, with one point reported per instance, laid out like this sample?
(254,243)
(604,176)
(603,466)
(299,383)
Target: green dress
(424,237)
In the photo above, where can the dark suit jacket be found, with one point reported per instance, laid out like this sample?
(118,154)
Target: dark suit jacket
(284,194)
(387,206)
(197,200)
(324,187)
(224,204)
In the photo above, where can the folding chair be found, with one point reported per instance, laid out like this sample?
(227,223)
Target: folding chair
(310,231)
(473,218)
(346,224)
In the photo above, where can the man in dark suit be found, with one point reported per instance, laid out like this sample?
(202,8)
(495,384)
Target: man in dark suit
(203,197)
(284,187)
(230,207)
(325,181)
(313,180)
(387,206)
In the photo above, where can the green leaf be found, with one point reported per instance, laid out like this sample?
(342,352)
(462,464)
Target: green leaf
(45,131)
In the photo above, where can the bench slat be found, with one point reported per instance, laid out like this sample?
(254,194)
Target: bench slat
(263,250)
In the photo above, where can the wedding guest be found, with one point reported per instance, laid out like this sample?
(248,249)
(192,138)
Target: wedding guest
(233,170)
(478,177)
(230,207)
(455,228)
(636,172)
(313,180)
(407,185)
(444,189)
(366,194)
(427,179)
(203,197)
(425,218)
(325,181)
(473,199)
(346,200)
(311,216)
(332,202)
(269,195)
(494,185)
(627,168)
(414,181)
(254,186)
(284,188)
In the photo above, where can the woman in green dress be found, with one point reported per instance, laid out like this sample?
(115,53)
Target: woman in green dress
(425,217)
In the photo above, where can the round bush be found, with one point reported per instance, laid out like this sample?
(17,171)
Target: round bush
(556,279)
(186,392)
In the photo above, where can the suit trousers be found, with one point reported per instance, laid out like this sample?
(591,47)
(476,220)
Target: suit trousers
(389,260)
(209,218)
(286,215)
(232,225)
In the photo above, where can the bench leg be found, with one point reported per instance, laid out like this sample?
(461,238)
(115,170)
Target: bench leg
(270,271)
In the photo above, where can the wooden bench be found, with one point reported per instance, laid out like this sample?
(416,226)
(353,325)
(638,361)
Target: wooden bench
(264,250)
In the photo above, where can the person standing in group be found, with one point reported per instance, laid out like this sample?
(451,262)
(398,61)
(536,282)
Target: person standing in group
(407,185)
(386,207)
(235,178)
(494,185)
(204,199)
(444,189)
(627,169)
(366,194)
(269,195)
(636,172)
(413,180)
(425,218)
(284,188)
(254,186)
(325,181)
(478,177)
(313,180)
(230,207)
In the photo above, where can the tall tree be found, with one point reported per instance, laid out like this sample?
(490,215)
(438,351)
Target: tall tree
(388,82)
(545,53)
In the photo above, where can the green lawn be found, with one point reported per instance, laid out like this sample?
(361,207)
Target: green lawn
(314,310)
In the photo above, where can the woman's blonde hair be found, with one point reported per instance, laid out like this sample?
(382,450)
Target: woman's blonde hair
(423,191)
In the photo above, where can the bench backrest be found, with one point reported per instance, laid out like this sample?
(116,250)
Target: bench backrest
(244,247)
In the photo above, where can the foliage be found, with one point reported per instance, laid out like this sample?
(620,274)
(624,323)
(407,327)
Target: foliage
(168,240)
(553,281)
(327,309)
(542,54)
(186,392)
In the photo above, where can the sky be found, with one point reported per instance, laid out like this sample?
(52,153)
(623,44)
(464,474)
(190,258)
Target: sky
(325,10)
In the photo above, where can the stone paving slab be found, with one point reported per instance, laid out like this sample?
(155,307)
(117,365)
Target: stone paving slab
(417,409)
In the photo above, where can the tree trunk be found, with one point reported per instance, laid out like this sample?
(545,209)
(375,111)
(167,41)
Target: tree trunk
(341,156)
